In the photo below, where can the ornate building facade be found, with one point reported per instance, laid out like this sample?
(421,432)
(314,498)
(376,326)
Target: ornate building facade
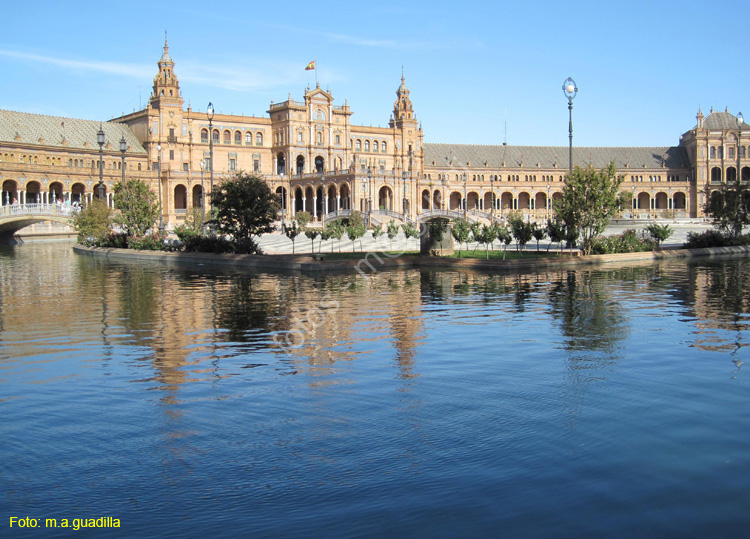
(317,160)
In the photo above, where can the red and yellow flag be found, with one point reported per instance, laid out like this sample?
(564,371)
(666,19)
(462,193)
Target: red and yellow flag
(310,66)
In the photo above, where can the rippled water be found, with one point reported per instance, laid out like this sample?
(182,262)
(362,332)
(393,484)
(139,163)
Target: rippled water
(185,402)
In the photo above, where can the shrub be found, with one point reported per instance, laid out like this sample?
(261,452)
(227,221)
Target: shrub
(152,242)
(714,238)
(627,242)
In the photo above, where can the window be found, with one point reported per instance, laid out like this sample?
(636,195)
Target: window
(320,138)
(259,139)
(713,152)
(338,140)
(249,138)
(367,145)
(375,146)
(256,165)
(358,145)
(185,167)
(227,137)
(742,151)
(204,136)
(232,165)
(237,137)
(384,147)
(171,155)
(299,136)
(215,136)
(731,152)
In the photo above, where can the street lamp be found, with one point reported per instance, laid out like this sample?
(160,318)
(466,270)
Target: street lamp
(161,208)
(369,193)
(403,178)
(123,149)
(740,121)
(492,198)
(210,114)
(466,202)
(203,165)
(100,141)
(570,90)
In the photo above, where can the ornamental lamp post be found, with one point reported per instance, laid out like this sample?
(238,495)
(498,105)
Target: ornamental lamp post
(466,202)
(210,114)
(123,149)
(203,166)
(161,208)
(100,141)
(403,177)
(740,121)
(369,194)
(570,90)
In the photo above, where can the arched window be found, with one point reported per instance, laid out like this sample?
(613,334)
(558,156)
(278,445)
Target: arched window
(237,137)
(249,138)
(319,138)
(204,135)
(367,145)
(713,152)
(259,139)
(358,145)
(384,147)
(215,136)
(227,137)
(375,146)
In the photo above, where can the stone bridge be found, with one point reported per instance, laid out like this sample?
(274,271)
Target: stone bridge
(14,217)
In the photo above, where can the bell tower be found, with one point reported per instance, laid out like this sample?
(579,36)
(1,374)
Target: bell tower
(407,132)
(166,84)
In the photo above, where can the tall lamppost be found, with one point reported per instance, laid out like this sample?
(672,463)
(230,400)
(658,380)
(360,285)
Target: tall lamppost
(123,149)
(369,194)
(161,208)
(492,198)
(466,201)
(403,177)
(100,141)
(570,90)
(203,165)
(210,114)
(740,121)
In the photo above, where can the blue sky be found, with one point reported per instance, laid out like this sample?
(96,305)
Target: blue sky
(479,73)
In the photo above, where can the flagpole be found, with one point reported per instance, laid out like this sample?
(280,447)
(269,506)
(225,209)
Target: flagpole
(316,73)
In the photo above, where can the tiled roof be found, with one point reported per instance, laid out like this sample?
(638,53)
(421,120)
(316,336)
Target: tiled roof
(722,120)
(548,157)
(57,131)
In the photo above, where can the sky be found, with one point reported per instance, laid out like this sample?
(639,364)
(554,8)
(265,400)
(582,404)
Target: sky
(479,72)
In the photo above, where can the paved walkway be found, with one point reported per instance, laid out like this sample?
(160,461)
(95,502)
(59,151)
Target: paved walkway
(277,243)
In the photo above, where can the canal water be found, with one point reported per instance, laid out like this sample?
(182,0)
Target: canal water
(189,402)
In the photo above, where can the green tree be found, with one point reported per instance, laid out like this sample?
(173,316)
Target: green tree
(392,231)
(461,232)
(521,230)
(355,230)
(729,208)
(137,208)
(659,233)
(485,235)
(589,199)
(291,232)
(311,234)
(377,231)
(92,221)
(337,231)
(539,233)
(244,207)
(410,231)
(504,235)
(303,218)
(556,232)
